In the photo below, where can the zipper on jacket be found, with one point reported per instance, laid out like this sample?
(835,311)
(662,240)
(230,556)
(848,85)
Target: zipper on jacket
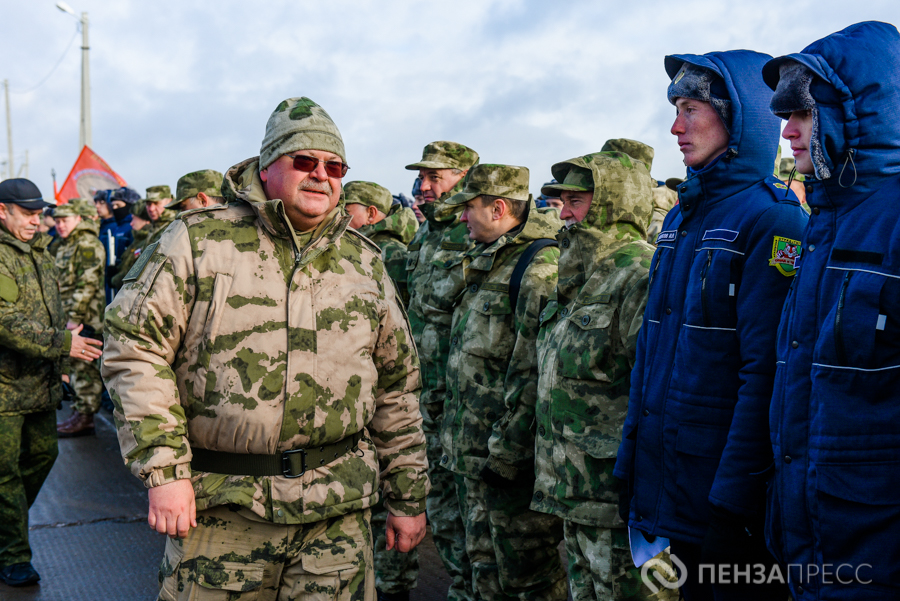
(704,303)
(839,322)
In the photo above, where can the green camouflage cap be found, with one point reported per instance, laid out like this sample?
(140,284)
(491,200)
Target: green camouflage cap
(139,209)
(446,155)
(633,148)
(368,194)
(577,180)
(206,180)
(299,124)
(76,206)
(507,181)
(157,193)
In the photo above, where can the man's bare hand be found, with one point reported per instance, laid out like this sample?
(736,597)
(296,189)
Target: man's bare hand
(86,349)
(172,508)
(404,533)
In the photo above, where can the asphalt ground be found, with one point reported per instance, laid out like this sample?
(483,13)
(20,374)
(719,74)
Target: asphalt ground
(90,537)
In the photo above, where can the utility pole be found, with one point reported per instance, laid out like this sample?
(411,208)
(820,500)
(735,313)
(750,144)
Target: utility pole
(8,130)
(85,130)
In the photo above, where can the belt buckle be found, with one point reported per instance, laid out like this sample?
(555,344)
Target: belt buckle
(286,463)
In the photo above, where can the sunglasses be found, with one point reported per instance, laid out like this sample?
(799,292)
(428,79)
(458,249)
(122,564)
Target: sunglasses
(307,164)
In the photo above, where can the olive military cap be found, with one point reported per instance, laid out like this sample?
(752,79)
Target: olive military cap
(576,180)
(446,155)
(507,181)
(368,194)
(157,193)
(206,180)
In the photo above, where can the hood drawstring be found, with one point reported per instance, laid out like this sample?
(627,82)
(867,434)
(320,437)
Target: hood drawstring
(849,159)
(790,181)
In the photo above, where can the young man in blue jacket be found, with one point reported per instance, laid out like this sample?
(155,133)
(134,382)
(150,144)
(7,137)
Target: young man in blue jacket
(695,453)
(834,512)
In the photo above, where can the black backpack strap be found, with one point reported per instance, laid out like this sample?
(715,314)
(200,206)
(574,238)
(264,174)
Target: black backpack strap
(515,281)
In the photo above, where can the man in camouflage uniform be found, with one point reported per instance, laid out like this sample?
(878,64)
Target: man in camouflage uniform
(434,280)
(158,197)
(80,261)
(586,350)
(487,429)
(265,382)
(197,190)
(140,230)
(390,226)
(33,343)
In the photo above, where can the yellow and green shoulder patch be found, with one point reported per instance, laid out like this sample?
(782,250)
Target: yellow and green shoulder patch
(785,255)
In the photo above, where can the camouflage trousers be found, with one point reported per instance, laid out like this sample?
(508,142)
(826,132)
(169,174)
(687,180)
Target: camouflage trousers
(447,529)
(236,555)
(514,551)
(88,385)
(395,572)
(27,452)
(601,567)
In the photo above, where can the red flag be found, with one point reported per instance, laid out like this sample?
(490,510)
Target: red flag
(89,174)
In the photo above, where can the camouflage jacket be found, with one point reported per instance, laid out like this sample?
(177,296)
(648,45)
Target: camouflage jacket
(435,278)
(33,336)
(159,226)
(586,345)
(492,366)
(238,334)
(130,255)
(80,261)
(663,201)
(392,234)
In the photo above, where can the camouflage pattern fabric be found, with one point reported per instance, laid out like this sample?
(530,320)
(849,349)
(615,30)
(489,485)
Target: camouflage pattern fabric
(491,369)
(88,386)
(80,261)
(392,234)
(161,192)
(507,181)
(200,354)
(156,228)
(131,254)
(601,568)
(445,155)
(34,342)
(586,348)
(368,194)
(513,550)
(190,185)
(27,452)
(235,555)
(434,278)
(395,572)
(664,200)
(636,150)
(299,124)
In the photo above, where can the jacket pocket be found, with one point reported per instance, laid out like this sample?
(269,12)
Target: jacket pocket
(234,576)
(587,351)
(595,432)
(698,450)
(412,259)
(859,521)
(712,289)
(207,350)
(488,328)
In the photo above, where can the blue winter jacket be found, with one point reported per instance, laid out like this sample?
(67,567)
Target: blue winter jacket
(835,414)
(700,390)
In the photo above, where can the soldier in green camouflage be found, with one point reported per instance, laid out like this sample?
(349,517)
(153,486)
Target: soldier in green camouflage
(586,348)
(434,279)
(158,197)
(80,262)
(390,226)
(140,230)
(197,190)
(34,342)
(265,382)
(487,431)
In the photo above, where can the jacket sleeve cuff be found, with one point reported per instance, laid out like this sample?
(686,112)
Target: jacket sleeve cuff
(502,469)
(165,475)
(67,342)
(405,508)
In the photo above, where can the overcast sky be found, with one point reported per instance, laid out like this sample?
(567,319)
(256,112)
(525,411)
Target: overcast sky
(187,85)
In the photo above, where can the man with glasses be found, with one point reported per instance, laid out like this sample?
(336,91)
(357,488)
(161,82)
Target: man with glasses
(266,384)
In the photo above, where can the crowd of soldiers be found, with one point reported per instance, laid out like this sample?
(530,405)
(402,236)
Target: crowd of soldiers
(302,369)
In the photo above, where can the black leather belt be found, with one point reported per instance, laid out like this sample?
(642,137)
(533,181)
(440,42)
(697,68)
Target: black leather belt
(290,464)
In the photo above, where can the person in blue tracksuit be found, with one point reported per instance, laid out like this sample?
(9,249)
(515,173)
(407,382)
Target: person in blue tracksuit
(834,511)
(695,454)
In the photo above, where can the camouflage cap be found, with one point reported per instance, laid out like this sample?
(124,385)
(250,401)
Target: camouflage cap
(139,209)
(576,179)
(368,194)
(507,181)
(446,155)
(633,148)
(157,193)
(299,124)
(206,180)
(76,207)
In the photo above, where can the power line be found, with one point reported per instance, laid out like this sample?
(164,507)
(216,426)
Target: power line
(53,70)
